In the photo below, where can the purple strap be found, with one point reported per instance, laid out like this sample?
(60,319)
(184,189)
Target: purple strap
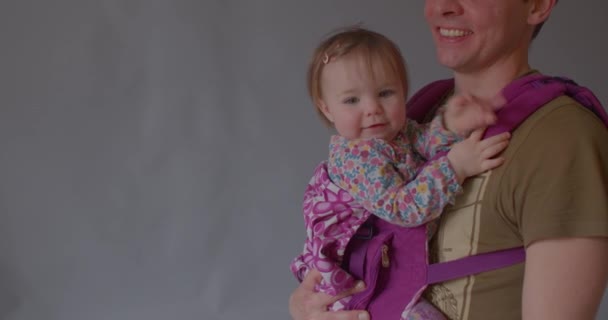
(427,97)
(444,271)
(527,94)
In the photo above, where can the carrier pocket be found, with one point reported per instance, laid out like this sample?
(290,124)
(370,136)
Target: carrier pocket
(377,262)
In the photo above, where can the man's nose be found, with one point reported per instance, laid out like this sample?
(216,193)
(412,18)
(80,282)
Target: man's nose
(445,8)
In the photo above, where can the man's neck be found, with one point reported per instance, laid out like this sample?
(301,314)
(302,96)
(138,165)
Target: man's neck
(486,84)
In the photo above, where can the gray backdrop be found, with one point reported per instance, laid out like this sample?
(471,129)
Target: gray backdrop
(154,153)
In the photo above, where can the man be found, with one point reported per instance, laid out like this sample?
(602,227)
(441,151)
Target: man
(550,196)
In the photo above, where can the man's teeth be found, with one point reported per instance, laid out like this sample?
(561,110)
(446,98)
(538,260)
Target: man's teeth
(454,32)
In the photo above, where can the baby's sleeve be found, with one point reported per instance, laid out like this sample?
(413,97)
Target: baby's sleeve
(431,138)
(367,169)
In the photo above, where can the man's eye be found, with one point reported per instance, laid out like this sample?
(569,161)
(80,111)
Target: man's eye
(351,100)
(386,93)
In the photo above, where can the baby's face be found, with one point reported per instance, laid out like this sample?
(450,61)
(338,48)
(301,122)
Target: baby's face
(362,100)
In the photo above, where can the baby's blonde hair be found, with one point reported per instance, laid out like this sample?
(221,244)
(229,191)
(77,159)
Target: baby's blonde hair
(369,44)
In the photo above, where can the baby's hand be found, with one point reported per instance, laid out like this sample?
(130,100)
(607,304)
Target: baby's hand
(465,113)
(473,156)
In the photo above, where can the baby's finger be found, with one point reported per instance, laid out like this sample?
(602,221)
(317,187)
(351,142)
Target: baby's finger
(457,100)
(360,286)
(477,134)
(495,103)
(498,101)
(505,136)
(307,287)
(490,164)
(487,111)
(482,114)
(488,116)
(494,149)
(311,280)
(474,122)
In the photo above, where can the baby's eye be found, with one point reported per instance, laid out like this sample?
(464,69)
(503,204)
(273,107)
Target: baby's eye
(351,100)
(386,93)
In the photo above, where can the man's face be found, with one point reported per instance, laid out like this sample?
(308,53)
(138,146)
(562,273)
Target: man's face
(473,35)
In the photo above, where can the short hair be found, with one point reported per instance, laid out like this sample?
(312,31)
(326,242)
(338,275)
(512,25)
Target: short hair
(369,44)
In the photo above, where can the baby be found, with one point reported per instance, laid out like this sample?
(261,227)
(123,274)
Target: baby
(381,163)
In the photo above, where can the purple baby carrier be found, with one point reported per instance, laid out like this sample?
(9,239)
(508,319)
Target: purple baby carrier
(393,260)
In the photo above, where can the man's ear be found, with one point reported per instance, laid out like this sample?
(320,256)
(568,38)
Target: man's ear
(540,11)
(325,110)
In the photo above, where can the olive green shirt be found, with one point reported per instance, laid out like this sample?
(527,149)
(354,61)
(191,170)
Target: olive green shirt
(554,183)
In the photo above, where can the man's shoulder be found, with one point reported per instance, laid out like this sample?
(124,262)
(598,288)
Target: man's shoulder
(561,120)
(563,106)
(560,130)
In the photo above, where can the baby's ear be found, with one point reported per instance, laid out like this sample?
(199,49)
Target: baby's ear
(325,110)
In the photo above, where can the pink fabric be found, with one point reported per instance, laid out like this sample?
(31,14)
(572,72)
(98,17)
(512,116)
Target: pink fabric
(331,217)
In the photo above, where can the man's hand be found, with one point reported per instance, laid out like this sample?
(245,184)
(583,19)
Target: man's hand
(306,304)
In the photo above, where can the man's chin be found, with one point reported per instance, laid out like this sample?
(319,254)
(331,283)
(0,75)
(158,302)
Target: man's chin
(449,62)
(451,59)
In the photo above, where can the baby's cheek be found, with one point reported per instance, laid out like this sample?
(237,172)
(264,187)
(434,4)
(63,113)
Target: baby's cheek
(398,118)
(349,132)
